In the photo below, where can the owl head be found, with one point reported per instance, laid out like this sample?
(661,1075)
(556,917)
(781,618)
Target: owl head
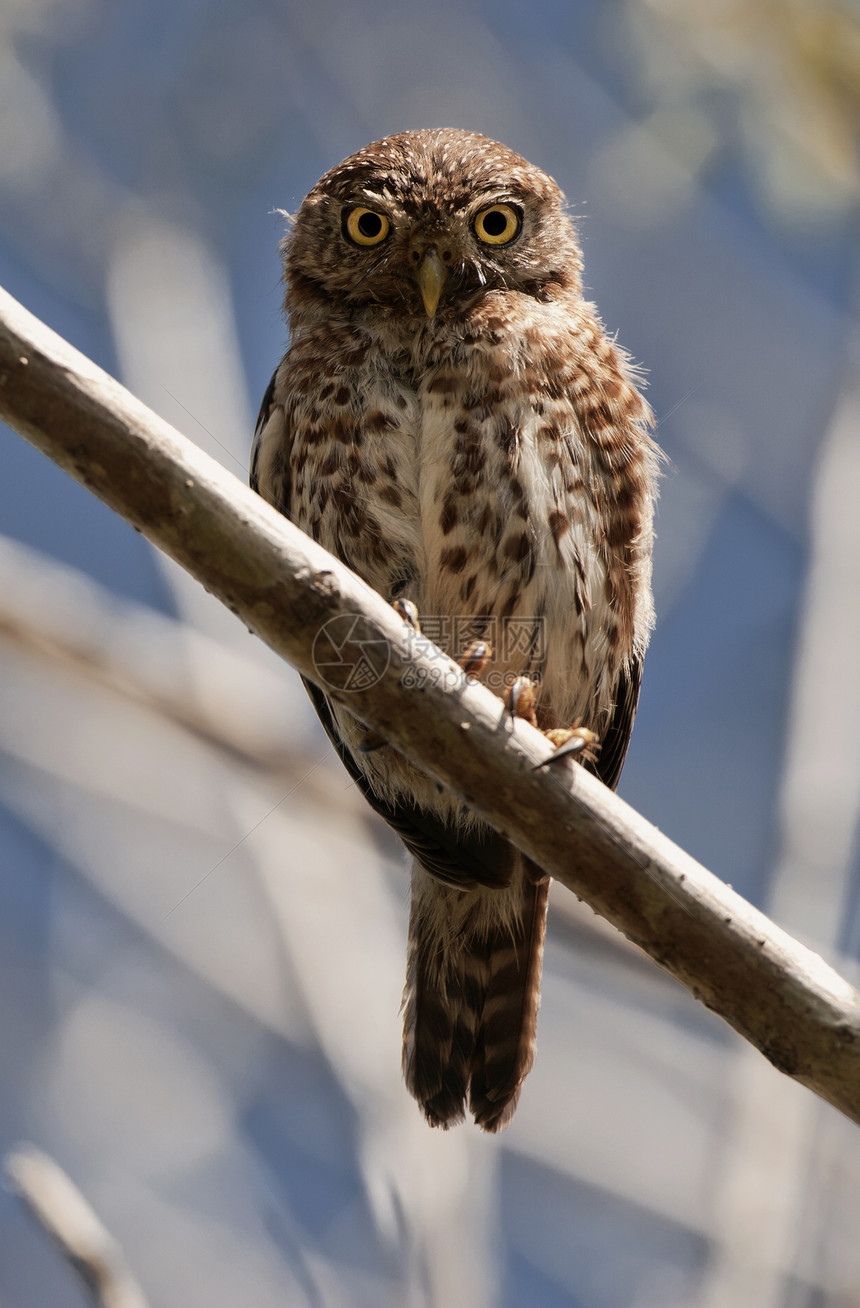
(422,225)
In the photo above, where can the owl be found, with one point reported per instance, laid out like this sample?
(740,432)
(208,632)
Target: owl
(452,421)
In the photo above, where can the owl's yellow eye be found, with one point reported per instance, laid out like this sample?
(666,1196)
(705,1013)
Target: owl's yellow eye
(365,226)
(498,225)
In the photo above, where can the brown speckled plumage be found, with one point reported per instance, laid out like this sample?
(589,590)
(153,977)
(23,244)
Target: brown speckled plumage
(490,462)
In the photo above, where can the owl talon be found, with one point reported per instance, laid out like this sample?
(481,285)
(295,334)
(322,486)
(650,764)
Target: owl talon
(405,609)
(475,657)
(521,700)
(570,742)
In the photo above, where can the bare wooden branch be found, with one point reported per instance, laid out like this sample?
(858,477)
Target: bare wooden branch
(781,996)
(60,1208)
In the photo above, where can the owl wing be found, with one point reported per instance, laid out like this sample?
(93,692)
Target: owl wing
(460,859)
(269,473)
(481,857)
(614,742)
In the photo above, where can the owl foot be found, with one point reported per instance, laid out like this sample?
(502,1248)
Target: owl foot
(569,742)
(405,609)
(521,700)
(475,657)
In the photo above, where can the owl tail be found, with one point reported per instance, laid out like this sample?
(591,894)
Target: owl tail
(472,996)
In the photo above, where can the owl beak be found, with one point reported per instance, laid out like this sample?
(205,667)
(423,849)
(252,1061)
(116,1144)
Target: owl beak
(431,277)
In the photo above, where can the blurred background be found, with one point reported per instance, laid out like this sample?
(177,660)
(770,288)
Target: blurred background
(202,930)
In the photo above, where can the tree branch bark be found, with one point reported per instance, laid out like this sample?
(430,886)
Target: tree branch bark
(777,993)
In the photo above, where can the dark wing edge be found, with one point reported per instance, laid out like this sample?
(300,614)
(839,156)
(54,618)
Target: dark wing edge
(482,856)
(461,859)
(266,410)
(616,738)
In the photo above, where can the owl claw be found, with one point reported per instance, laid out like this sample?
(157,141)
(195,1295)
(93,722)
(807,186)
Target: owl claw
(570,742)
(521,700)
(405,609)
(475,657)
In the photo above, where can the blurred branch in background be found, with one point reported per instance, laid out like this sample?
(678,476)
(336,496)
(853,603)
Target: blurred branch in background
(227,700)
(62,1211)
(773,1138)
(782,997)
(243,857)
(162,1049)
(783,76)
(781,82)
